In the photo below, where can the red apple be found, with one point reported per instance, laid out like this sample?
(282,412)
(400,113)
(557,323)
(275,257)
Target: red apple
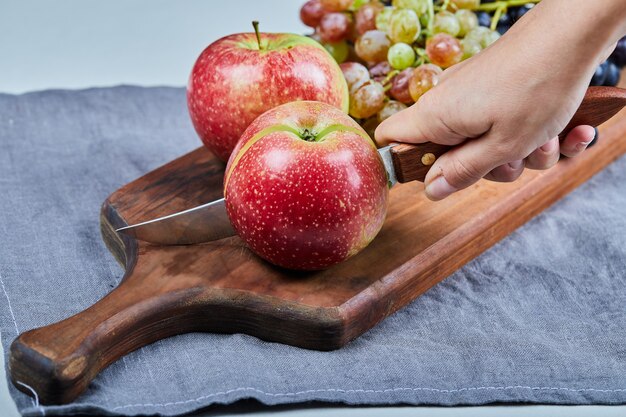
(241,76)
(305,187)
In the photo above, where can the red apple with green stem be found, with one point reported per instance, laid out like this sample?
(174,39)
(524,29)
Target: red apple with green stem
(241,76)
(305,187)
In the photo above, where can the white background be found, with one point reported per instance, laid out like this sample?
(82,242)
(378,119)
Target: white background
(86,43)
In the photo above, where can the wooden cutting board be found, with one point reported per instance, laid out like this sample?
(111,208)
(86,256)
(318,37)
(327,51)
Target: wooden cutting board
(223,287)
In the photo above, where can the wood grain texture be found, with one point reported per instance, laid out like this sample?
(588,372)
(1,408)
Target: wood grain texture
(222,287)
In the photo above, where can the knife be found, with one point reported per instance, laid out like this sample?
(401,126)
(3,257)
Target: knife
(403,163)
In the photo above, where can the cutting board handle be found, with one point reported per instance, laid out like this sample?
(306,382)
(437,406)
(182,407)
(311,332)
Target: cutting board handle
(412,162)
(58,361)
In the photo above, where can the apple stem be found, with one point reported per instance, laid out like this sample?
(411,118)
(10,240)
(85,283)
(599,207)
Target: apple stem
(308,136)
(255,24)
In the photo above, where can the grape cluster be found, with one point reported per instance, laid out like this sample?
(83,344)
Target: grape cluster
(393,51)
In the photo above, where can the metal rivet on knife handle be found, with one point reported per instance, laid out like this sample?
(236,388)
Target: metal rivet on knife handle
(428,159)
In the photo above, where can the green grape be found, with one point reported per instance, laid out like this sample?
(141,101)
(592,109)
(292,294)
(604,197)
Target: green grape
(358,3)
(470,48)
(418,6)
(404,26)
(368,100)
(446,22)
(489,38)
(477,33)
(483,35)
(373,46)
(467,21)
(382,18)
(401,56)
(389,109)
(339,50)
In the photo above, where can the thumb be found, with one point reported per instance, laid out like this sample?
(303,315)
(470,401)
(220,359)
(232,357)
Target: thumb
(461,167)
(422,122)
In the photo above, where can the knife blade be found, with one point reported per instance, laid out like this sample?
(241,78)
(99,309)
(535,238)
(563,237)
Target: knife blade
(403,163)
(200,224)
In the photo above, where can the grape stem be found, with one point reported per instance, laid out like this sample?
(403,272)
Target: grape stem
(255,25)
(505,4)
(422,57)
(389,77)
(431,15)
(496,16)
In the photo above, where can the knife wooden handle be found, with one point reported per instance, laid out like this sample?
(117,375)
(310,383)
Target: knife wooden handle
(412,162)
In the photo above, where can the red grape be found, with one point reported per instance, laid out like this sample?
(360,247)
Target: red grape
(367,100)
(365,17)
(373,46)
(400,86)
(334,27)
(424,78)
(336,5)
(444,50)
(355,74)
(311,13)
(379,71)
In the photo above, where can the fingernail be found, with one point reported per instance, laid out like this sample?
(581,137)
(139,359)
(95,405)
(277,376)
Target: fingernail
(549,146)
(439,188)
(581,146)
(515,165)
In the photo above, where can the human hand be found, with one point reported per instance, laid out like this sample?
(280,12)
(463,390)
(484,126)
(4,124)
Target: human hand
(504,107)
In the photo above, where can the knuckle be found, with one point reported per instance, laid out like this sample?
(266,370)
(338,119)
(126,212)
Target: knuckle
(511,174)
(542,161)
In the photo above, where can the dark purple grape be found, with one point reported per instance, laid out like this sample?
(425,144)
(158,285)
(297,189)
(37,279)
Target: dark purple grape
(521,11)
(502,29)
(612,74)
(505,19)
(484,19)
(619,54)
(600,75)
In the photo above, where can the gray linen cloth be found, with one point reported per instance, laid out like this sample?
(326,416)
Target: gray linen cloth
(539,318)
